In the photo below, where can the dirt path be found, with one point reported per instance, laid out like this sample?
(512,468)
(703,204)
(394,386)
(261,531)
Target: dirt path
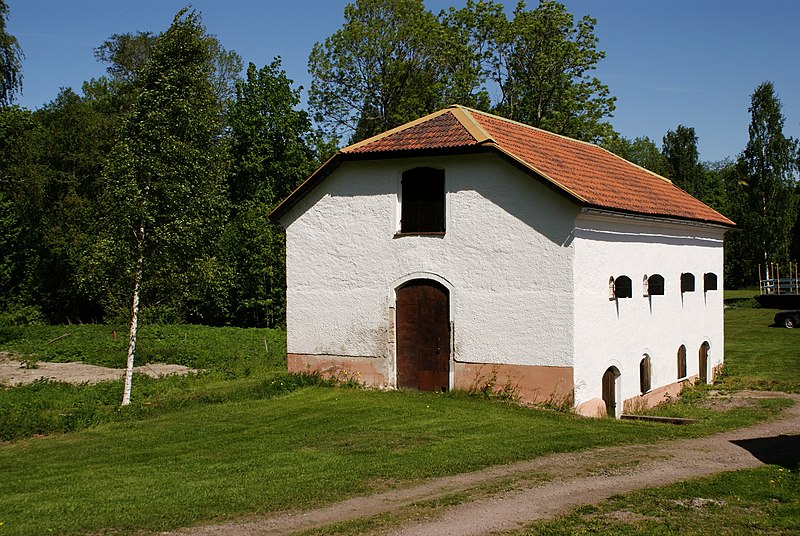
(14,372)
(553,485)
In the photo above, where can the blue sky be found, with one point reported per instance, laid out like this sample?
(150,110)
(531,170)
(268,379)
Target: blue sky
(690,62)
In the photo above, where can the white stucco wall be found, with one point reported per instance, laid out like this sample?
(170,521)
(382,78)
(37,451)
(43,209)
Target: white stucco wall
(507,257)
(618,333)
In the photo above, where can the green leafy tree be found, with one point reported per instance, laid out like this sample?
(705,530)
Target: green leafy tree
(20,208)
(547,82)
(766,187)
(541,60)
(127,54)
(390,63)
(683,159)
(10,61)
(642,151)
(77,133)
(166,176)
(271,156)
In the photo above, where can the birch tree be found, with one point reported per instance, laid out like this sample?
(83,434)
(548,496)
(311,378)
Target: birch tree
(10,61)
(166,174)
(766,189)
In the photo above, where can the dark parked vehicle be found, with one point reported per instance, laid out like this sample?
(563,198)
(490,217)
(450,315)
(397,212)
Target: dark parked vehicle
(788,319)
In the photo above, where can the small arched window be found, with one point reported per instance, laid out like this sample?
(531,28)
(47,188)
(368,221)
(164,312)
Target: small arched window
(681,362)
(644,374)
(623,287)
(687,282)
(655,285)
(709,281)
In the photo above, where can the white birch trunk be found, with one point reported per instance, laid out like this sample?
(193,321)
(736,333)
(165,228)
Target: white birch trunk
(126,394)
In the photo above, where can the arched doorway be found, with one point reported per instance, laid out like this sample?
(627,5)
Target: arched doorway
(423,336)
(703,369)
(610,391)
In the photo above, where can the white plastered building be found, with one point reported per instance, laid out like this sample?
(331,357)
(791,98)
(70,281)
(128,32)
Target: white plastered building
(464,248)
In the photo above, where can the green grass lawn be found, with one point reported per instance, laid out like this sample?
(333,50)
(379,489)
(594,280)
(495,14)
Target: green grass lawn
(230,350)
(759,355)
(755,501)
(244,438)
(309,447)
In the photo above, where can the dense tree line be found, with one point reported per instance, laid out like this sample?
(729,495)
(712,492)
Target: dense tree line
(152,185)
(394,61)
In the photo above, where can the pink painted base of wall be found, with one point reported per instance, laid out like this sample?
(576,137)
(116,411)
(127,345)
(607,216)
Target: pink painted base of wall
(368,370)
(534,385)
(656,396)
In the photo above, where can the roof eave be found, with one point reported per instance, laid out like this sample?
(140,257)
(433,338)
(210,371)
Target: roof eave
(306,186)
(669,218)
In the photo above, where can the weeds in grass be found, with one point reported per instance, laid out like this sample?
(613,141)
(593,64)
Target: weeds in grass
(29,363)
(486,386)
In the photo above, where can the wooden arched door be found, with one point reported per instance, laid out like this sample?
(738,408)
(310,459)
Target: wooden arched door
(703,362)
(423,336)
(610,391)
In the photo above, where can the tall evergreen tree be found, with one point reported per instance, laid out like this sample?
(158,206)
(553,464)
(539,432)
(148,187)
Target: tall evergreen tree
(767,185)
(166,176)
(10,61)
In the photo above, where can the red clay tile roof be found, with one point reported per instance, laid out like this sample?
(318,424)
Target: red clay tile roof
(591,175)
(437,132)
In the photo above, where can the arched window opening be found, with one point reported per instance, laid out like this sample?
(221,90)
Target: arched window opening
(655,285)
(644,374)
(702,372)
(612,295)
(682,362)
(610,382)
(709,281)
(687,282)
(422,201)
(623,287)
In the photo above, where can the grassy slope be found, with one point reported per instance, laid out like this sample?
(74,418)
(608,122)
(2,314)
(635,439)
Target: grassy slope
(307,448)
(222,445)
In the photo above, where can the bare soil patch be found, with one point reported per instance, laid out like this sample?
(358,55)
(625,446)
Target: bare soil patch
(13,372)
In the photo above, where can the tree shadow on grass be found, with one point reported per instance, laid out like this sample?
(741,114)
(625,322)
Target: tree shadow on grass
(783,450)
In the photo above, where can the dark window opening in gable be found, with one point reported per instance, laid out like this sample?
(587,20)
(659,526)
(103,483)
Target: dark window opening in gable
(687,282)
(655,285)
(623,288)
(422,201)
(709,281)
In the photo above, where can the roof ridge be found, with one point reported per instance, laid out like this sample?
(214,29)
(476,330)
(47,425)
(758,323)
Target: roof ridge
(507,120)
(464,116)
(529,127)
(400,128)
